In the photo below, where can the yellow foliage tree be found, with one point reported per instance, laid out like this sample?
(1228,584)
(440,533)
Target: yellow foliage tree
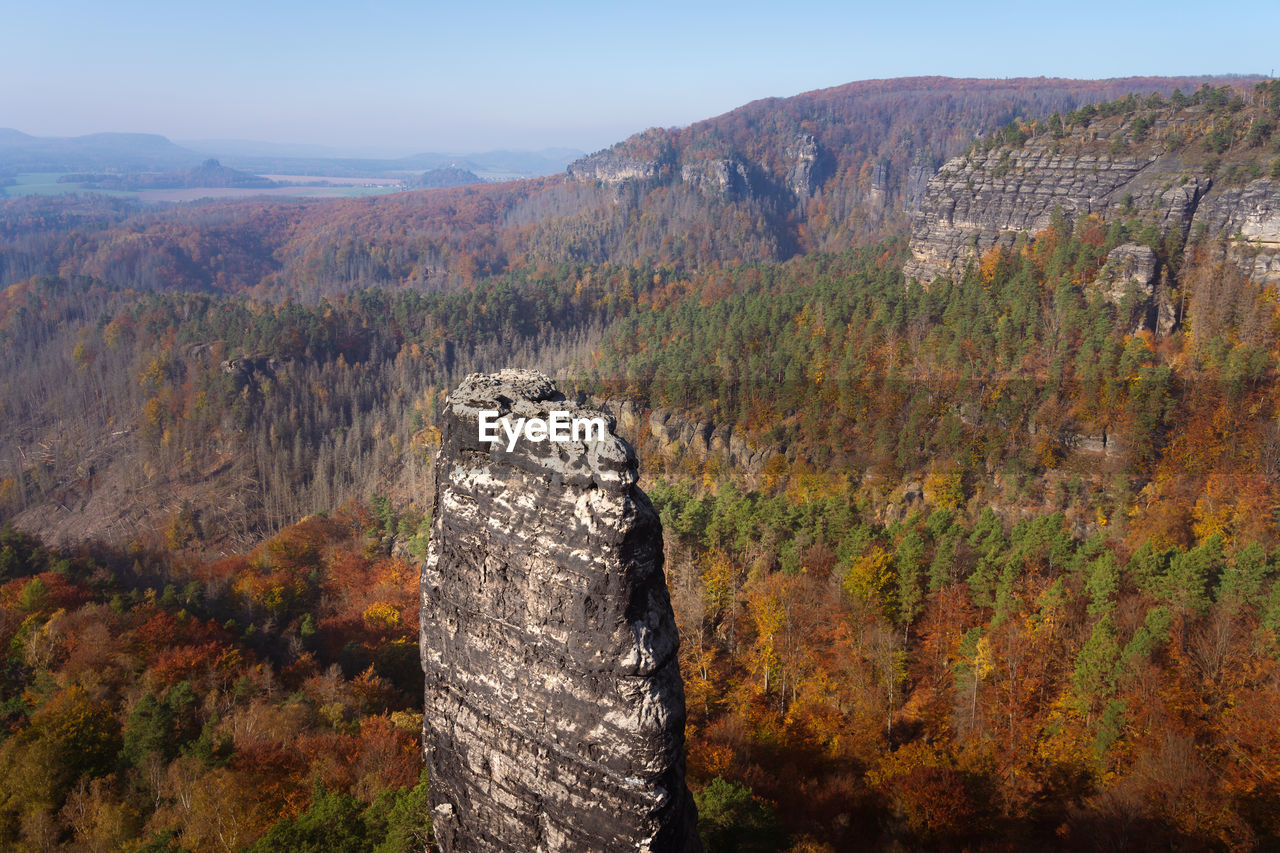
(381,615)
(871,578)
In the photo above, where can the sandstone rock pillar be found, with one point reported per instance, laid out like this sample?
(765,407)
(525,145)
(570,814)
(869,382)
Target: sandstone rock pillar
(554,710)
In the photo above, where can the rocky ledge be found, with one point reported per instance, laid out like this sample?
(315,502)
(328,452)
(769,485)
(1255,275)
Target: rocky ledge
(554,711)
(983,199)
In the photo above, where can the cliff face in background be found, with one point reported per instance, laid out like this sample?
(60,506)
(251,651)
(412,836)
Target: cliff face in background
(852,160)
(554,715)
(675,439)
(1157,168)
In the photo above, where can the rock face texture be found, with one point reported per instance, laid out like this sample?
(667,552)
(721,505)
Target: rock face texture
(974,203)
(1127,265)
(653,159)
(802,177)
(984,199)
(705,439)
(554,710)
(1130,268)
(726,175)
(723,173)
(1249,216)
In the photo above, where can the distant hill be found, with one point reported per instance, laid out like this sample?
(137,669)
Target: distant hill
(9,136)
(117,152)
(448,176)
(548,161)
(225,149)
(208,174)
(146,152)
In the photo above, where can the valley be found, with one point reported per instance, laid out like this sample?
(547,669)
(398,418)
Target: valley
(956,399)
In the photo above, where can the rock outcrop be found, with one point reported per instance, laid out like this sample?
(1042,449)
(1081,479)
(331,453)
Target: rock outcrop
(704,439)
(554,710)
(1127,266)
(674,436)
(975,202)
(609,168)
(983,199)
(716,172)
(802,178)
(1133,269)
(1249,218)
(651,157)
(245,369)
(723,175)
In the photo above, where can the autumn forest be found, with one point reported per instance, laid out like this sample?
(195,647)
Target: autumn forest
(991,561)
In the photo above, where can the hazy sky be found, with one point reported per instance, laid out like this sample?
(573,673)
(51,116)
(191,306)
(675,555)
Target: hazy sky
(419,76)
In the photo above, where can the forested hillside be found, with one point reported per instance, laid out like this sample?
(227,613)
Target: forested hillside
(821,170)
(762,183)
(1004,573)
(161,703)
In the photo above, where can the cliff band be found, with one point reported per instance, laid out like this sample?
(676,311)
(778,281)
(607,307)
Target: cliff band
(554,711)
(983,199)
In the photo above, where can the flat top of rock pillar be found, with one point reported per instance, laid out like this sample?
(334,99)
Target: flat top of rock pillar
(517,398)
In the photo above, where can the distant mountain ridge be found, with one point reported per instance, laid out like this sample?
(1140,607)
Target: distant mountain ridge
(123,152)
(147,152)
(495,165)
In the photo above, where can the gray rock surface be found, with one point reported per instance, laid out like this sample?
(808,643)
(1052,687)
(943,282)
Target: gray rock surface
(802,154)
(1249,218)
(984,199)
(674,435)
(975,203)
(1127,266)
(1133,268)
(613,169)
(613,166)
(554,709)
(723,175)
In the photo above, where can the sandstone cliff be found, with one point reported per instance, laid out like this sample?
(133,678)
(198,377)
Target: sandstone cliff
(819,168)
(554,710)
(651,157)
(675,439)
(1156,168)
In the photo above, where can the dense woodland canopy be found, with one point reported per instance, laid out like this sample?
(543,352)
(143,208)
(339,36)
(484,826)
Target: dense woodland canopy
(943,612)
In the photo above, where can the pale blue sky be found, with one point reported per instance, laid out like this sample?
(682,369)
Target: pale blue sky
(420,76)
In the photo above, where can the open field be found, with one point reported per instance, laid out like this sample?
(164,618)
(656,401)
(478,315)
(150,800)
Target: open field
(370,181)
(46,183)
(194,193)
